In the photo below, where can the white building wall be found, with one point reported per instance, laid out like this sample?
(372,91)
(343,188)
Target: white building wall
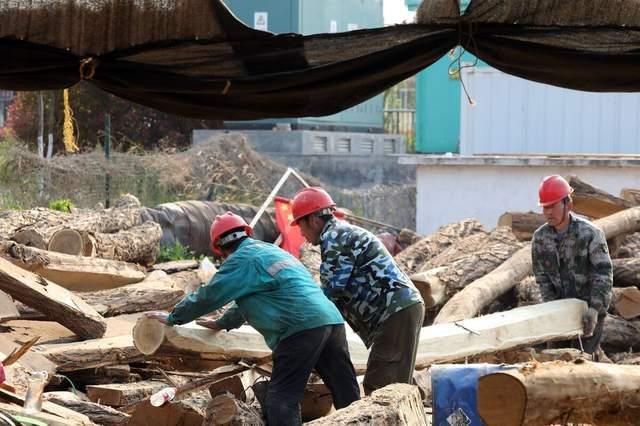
(512,115)
(450,193)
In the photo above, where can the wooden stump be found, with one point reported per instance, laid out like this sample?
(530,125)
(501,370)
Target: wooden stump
(560,392)
(523,225)
(225,409)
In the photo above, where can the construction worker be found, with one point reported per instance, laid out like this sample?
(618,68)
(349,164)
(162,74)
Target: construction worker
(359,275)
(570,259)
(276,295)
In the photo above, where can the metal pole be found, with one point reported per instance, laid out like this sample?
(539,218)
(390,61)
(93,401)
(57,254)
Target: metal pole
(107,156)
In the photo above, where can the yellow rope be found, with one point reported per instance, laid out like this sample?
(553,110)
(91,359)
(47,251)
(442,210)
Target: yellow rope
(68,137)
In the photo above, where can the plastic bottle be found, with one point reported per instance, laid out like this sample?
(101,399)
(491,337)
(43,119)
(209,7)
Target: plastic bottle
(159,398)
(33,398)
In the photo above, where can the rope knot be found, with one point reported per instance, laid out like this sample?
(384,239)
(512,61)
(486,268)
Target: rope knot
(88,68)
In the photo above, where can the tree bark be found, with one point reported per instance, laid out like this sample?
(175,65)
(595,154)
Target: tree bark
(77,273)
(92,353)
(560,392)
(620,335)
(39,233)
(464,262)
(398,404)
(477,295)
(225,409)
(12,221)
(416,255)
(56,302)
(98,413)
(626,272)
(523,225)
(629,246)
(139,244)
(593,202)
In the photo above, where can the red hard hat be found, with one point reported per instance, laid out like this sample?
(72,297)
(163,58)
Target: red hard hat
(553,189)
(224,223)
(310,200)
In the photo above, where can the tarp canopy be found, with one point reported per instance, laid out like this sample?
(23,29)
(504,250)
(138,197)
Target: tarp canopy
(194,58)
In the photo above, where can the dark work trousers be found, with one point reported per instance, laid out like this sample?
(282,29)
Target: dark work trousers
(323,348)
(589,344)
(393,354)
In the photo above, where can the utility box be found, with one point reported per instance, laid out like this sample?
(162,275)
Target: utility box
(314,17)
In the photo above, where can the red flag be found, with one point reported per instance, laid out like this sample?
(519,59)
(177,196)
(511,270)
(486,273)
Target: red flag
(292,239)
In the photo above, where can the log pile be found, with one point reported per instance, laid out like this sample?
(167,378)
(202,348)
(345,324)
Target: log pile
(483,306)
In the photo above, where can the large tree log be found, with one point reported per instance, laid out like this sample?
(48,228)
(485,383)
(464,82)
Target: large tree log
(561,392)
(593,202)
(91,353)
(631,195)
(558,320)
(139,244)
(629,247)
(77,273)
(397,404)
(413,257)
(523,225)
(13,220)
(626,272)
(98,413)
(159,294)
(107,221)
(52,300)
(477,295)
(466,260)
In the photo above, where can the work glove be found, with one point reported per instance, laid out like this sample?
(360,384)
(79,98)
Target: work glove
(589,320)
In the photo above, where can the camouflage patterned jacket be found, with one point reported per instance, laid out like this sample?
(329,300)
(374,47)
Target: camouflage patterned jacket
(359,275)
(574,265)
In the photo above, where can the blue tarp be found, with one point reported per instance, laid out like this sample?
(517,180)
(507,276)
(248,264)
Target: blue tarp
(454,392)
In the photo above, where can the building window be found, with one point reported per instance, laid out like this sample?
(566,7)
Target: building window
(389,146)
(343,145)
(320,144)
(367,146)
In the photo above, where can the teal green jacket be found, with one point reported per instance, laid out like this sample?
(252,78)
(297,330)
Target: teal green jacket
(273,292)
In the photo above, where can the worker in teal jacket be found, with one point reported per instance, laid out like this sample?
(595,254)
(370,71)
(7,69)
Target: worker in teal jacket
(276,295)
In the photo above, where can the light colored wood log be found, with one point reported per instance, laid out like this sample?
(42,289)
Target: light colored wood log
(477,295)
(52,300)
(119,394)
(431,288)
(13,220)
(176,266)
(78,273)
(594,202)
(171,414)
(523,225)
(68,241)
(398,404)
(91,353)
(17,372)
(98,413)
(526,326)
(631,195)
(561,392)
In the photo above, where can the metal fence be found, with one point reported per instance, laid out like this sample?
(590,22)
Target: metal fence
(401,121)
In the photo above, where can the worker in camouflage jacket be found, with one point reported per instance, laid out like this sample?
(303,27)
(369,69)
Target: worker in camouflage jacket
(375,297)
(571,259)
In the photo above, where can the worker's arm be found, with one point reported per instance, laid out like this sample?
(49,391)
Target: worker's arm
(337,266)
(541,273)
(232,318)
(601,273)
(236,278)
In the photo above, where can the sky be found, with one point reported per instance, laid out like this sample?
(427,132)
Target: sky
(395,12)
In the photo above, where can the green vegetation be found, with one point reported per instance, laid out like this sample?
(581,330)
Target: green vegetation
(62,205)
(176,252)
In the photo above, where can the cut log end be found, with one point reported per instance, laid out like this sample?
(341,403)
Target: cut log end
(68,241)
(498,391)
(148,335)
